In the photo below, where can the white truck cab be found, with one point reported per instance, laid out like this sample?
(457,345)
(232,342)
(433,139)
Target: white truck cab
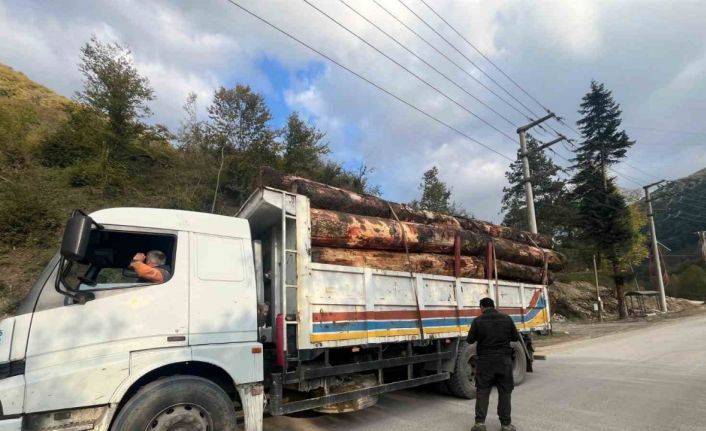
(85,339)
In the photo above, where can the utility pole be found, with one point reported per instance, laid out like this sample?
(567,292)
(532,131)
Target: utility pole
(598,291)
(529,195)
(655,245)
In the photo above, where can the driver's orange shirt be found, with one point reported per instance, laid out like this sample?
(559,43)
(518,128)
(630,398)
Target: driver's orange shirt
(147,272)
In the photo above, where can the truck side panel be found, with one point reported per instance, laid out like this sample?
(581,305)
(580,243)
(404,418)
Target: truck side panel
(349,306)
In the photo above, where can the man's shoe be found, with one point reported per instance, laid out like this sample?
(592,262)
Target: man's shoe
(479,426)
(510,427)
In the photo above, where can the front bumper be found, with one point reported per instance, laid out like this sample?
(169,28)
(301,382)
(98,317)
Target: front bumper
(11,424)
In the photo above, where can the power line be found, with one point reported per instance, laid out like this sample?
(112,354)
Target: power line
(466,57)
(485,57)
(358,75)
(686,132)
(451,60)
(474,64)
(446,96)
(427,63)
(639,170)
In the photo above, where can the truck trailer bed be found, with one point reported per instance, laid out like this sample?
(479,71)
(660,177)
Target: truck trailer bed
(337,306)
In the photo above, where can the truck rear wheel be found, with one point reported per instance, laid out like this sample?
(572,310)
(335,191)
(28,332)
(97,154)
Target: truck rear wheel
(463,379)
(183,403)
(462,382)
(519,363)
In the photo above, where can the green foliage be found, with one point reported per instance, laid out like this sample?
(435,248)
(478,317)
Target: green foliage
(555,212)
(113,86)
(689,282)
(76,140)
(28,214)
(605,221)
(680,207)
(57,155)
(604,144)
(303,147)
(436,195)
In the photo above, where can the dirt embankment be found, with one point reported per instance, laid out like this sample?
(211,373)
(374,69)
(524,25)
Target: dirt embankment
(575,301)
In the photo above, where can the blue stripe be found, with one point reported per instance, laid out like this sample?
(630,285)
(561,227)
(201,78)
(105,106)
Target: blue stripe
(372,325)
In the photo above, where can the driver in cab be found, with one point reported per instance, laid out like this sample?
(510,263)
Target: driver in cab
(151,268)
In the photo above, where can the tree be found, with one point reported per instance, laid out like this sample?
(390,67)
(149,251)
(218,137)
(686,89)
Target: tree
(604,217)
(552,207)
(239,133)
(436,195)
(113,86)
(604,144)
(239,118)
(604,222)
(303,147)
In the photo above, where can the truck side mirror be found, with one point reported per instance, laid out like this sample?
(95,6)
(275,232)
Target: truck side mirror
(76,235)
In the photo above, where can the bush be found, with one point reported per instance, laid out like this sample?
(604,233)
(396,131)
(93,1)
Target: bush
(78,139)
(689,283)
(27,215)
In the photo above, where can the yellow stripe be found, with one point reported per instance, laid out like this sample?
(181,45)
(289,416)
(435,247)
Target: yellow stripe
(362,334)
(386,333)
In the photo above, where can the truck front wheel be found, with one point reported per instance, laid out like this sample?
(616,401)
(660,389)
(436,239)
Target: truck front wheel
(183,403)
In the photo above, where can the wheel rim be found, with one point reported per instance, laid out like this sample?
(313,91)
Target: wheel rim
(181,417)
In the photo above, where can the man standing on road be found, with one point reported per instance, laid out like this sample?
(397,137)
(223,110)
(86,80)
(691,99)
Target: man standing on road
(493,331)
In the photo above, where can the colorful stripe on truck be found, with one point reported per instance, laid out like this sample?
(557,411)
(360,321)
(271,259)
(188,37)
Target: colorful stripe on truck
(351,325)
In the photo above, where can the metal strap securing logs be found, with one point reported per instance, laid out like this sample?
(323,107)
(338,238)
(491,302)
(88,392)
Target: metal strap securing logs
(327,197)
(427,263)
(343,230)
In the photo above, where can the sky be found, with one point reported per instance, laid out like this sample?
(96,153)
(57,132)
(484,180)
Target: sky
(648,53)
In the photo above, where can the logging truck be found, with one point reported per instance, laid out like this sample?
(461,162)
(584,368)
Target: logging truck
(92,347)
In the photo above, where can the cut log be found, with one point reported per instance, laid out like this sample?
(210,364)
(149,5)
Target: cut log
(426,263)
(342,230)
(327,197)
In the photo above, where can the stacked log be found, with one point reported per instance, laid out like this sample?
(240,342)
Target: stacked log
(353,229)
(426,263)
(327,197)
(342,230)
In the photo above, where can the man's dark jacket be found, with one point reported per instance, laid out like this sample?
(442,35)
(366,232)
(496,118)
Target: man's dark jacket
(493,331)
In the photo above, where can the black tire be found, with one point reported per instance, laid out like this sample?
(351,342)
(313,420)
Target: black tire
(192,402)
(462,382)
(519,363)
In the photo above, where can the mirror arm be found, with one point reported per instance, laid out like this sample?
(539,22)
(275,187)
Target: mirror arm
(78,297)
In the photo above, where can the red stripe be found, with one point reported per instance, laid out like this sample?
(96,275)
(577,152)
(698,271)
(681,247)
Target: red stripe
(338,316)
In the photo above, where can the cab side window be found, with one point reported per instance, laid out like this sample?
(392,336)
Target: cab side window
(109,260)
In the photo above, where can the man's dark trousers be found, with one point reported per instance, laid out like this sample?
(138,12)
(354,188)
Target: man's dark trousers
(494,371)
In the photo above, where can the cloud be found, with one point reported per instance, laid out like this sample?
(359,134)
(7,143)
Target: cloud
(553,48)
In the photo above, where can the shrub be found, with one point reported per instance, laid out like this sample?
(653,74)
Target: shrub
(27,215)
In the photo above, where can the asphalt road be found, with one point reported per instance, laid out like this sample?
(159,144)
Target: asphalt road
(648,379)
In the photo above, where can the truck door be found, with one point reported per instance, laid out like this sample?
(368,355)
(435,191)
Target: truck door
(77,355)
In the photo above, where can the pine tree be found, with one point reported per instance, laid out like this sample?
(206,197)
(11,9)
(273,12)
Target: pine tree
(604,218)
(553,210)
(604,143)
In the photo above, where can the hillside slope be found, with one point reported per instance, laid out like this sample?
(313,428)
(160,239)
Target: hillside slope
(680,210)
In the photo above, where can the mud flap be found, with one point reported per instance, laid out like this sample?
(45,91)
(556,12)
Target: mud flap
(252,397)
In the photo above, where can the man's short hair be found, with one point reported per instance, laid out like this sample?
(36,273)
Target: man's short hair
(487,303)
(157,257)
